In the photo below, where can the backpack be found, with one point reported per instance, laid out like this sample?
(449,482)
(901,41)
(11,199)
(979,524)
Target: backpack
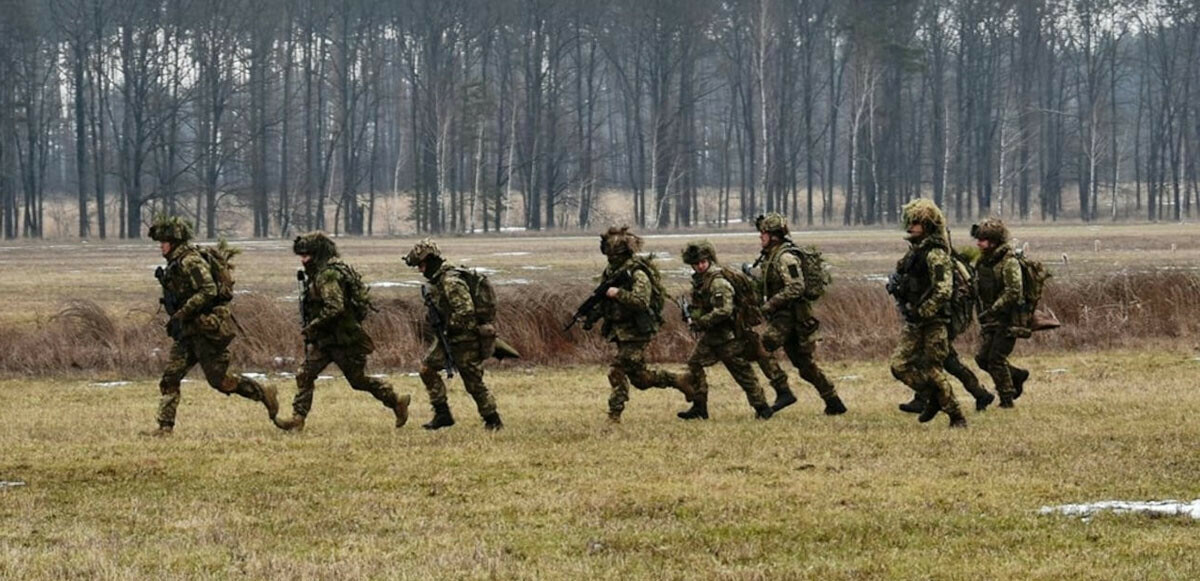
(964,295)
(816,274)
(357,293)
(220,266)
(747,308)
(1033,279)
(483,295)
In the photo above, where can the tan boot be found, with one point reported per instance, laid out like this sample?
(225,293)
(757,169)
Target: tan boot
(270,401)
(292,424)
(401,409)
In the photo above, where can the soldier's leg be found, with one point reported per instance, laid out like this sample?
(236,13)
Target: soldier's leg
(315,361)
(180,360)
(994,347)
(470,366)
(955,367)
(702,356)
(430,372)
(935,346)
(770,367)
(354,367)
(618,378)
(743,375)
(631,356)
(801,349)
(214,360)
(905,360)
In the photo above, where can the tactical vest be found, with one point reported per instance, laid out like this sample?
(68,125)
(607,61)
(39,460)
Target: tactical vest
(642,321)
(991,278)
(917,281)
(702,301)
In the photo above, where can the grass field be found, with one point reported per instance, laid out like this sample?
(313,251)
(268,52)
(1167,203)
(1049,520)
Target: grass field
(560,494)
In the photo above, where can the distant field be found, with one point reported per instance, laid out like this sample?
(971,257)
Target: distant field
(562,495)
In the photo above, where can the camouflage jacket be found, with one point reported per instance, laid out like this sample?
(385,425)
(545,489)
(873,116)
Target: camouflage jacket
(783,284)
(627,317)
(452,296)
(328,320)
(190,280)
(1000,290)
(929,281)
(713,305)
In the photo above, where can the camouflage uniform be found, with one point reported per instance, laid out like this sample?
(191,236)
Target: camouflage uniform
(629,321)
(1000,298)
(333,333)
(470,341)
(721,339)
(205,327)
(789,312)
(925,292)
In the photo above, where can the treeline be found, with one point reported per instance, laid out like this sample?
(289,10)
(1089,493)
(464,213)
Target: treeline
(484,114)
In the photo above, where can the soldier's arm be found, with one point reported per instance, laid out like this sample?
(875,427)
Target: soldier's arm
(1011,295)
(638,296)
(204,290)
(333,300)
(792,273)
(722,304)
(941,283)
(458,297)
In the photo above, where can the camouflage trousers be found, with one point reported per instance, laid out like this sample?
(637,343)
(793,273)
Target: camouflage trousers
(733,355)
(771,369)
(955,367)
(799,342)
(352,362)
(213,357)
(995,345)
(630,367)
(918,362)
(468,363)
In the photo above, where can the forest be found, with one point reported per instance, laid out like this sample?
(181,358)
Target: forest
(269,117)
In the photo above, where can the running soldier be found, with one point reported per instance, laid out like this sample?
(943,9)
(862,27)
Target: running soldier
(1001,295)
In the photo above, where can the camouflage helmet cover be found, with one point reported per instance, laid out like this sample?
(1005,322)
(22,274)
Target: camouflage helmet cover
(923,211)
(619,241)
(772,223)
(170,229)
(422,250)
(698,250)
(992,229)
(315,244)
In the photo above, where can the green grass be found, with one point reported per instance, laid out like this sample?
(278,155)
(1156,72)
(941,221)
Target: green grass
(561,494)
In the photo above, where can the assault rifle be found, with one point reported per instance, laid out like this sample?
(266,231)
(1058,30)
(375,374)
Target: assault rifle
(684,309)
(439,328)
(170,303)
(587,311)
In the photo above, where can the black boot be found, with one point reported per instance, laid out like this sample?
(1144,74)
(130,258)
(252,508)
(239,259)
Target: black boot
(783,398)
(441,417)
(1006,401)
(932,407)
(834,406)
(957,420)
(916,405)
(983,400)
(492,421)
(1018,378)
(763,412)
(698,411)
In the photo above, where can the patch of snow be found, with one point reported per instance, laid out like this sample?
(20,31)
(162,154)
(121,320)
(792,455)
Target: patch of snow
(535,267)
(391,284)
(850,377)
(1152,507)
(254,375)
(378,375)
(324,377)
(876,278)
(110,383)
(286,375)
(487,271)
(1057,371)
(511,253)
(11,483)
(507,281)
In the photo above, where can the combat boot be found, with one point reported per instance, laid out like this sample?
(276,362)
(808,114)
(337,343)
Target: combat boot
(834,406)
(1018,378)
(983,400)
(957,420)
(614,416)
(1006,401)
(783,398)
(162,431)
(763,412)
(292,424)
(492,422)
(401,409)
(270,401)
(932,407)
(441,417)
(698,411)
(916,405)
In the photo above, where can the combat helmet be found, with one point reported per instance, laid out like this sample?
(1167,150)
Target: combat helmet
(315,244)
(698,250)
(923,211)
(422,250)
(170,229)
(619,241)
(992,229)
(772,223)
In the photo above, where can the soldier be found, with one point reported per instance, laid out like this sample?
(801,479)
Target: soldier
(470,340)
(1000,299)
(714,314)
(631,311)
(955,367)
(201,324)
(789,312)
(333,304)
(923,286)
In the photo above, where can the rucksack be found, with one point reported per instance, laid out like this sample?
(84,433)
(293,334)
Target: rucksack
(812,265)
(964,294)
(482,294)
(220,266)
(747,308)
(357,293)
(1033,279)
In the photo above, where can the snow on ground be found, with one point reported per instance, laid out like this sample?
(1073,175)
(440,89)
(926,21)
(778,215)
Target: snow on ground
(392,284)
(110,383)
(1151,507)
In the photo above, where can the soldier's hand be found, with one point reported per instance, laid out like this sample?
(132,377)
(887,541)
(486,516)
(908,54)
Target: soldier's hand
(588,324)
(612,292)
